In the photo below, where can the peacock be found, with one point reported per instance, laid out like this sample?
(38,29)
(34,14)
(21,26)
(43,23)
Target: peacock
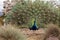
(34,26)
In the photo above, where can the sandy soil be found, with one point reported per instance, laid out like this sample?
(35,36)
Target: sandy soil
(33,35)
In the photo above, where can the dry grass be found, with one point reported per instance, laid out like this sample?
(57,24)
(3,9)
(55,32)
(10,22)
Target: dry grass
(10,33)
(52,30)
(40,34)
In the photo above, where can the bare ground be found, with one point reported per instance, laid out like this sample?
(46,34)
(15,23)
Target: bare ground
(34,34)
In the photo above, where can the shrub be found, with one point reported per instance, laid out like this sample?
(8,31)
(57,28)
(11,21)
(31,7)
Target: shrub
(52,30)
(10,33)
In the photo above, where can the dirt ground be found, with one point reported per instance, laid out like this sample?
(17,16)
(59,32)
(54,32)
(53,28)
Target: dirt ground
(33,35)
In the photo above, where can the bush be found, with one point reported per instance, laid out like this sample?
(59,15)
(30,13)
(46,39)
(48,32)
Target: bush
(10,33)
(52,30)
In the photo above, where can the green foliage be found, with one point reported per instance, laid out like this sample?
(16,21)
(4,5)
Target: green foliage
(23,12)
(10,33)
